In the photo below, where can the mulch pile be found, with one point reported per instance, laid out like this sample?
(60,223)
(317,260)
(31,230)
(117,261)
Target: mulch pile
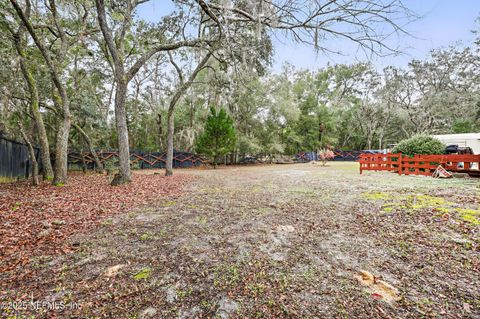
(38,221)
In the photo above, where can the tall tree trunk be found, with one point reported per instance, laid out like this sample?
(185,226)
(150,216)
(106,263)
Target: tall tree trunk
(61,147)
(43,140)
(33,159)
(160,132)
(170,132)
(369,142)
(88,141)
(35,107)
(124,174)
(84,164)
(380,140)
(4,100)
(173,102)
(39,125)
(61,152)
(60,170)
(191,112)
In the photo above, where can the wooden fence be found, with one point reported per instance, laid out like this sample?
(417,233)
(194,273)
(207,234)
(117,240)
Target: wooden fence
(340,155)
(140,160)
(352,155)
(420,164)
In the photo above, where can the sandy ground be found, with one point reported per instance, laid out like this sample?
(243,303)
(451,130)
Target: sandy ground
(278,241)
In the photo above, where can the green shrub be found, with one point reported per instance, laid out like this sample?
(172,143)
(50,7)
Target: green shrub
(419,144)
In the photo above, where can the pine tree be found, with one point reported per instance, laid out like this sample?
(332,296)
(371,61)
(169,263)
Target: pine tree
(218,137)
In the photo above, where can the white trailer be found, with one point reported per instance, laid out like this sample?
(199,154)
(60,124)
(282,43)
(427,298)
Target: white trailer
(471,140)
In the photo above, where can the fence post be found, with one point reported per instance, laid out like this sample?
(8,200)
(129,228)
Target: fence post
(399,164)
(416,162)
(360,161)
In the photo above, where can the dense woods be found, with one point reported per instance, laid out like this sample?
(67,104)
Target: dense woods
(95,75)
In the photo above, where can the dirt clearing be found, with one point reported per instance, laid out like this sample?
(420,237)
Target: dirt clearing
(280,241)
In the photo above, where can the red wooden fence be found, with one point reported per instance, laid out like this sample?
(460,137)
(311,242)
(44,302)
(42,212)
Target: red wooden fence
(420,164)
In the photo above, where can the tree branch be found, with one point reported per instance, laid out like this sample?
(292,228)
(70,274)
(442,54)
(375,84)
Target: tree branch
(183,87)
(43,51)
(165,47)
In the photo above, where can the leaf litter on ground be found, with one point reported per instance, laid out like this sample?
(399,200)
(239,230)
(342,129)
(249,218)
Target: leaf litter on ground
(39,221)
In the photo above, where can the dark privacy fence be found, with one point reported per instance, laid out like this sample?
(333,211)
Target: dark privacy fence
(14,160)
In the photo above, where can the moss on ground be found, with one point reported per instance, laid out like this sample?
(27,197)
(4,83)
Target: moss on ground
(415,202)
(470,215)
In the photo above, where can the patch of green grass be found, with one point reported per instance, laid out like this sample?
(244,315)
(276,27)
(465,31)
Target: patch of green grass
(405,248)
(416,202)
(410,203)
(40,261)
(63,272)
(16,206)
(284,282)
(470,215)
(12,313)
(107,222)
(181,294)
(256,289)
(207,305)
(443,210)
(426,201)
(377,196)
(201,220)
(468,245)
(144,273)
(168,204)
(303,190)
(146,236)
(255,189)
(271,303)
(4,179)
(226,276)
(309,274)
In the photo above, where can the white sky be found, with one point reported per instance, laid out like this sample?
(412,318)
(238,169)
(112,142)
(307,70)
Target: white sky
(443,22)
